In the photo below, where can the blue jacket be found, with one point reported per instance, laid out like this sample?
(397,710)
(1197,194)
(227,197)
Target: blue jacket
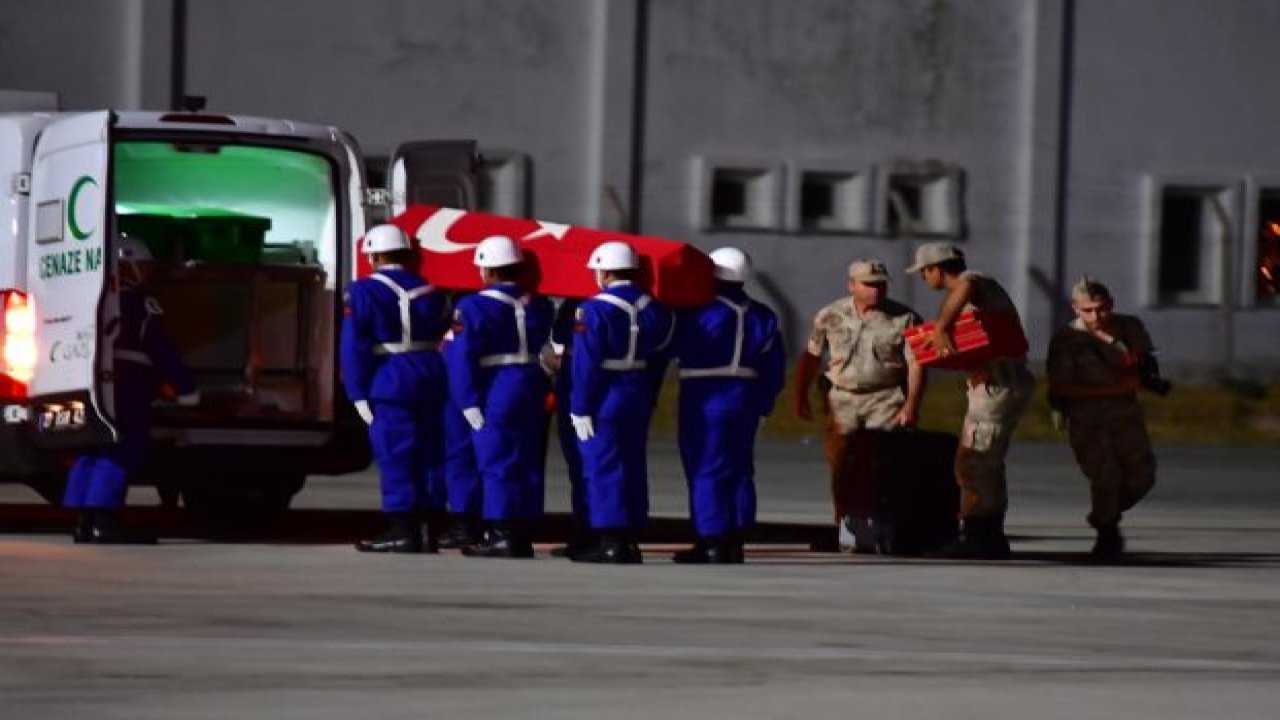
(605,350)
(381,359)
(144,350)
(486,339)
(734,341)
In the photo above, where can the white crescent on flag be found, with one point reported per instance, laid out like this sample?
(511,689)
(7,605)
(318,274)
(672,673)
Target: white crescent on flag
(433,233)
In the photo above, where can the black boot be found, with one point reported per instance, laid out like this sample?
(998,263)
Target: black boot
(581,541)
(695,555)
(83,532)
(981,538)
(103,530)
(612,549)
(708,551)
(1109,545)
(404,536)
(431,528)
(502,541)
(464,531)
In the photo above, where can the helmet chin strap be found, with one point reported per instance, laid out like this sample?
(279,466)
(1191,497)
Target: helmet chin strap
(600,279)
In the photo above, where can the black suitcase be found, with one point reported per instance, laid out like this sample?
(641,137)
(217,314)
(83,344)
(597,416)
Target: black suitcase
(904,493)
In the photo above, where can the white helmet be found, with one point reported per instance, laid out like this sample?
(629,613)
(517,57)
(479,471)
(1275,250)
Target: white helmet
(384,238)
(613,255)
(132,250)
(732,264)
(497,251)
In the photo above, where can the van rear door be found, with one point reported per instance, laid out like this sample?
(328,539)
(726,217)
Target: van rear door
(68,260)
(434,172)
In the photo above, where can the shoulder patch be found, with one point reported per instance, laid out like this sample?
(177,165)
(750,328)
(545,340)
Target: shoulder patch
(579,320)
(457,322)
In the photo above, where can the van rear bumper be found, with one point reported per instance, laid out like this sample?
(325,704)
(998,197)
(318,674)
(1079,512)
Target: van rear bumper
(20,460)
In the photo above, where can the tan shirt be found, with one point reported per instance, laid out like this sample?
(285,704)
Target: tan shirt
(1078,357)
(868,352)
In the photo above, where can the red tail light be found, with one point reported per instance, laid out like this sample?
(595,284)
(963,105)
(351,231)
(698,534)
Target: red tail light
(17,343)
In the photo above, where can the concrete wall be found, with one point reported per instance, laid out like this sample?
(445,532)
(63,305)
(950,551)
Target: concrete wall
(832,82)
(1185,90)
(614,102)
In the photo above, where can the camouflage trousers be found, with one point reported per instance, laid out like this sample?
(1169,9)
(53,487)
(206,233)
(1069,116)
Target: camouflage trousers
(849,413)
(1109,438)
(996,402)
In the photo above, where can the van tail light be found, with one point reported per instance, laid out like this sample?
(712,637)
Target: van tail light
(17,343)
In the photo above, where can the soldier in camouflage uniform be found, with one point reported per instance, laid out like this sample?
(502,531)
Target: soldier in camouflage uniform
(998,394)
(1094,372)
(875,382)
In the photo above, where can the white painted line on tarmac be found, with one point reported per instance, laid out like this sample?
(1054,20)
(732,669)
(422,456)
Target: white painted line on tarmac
(909,658)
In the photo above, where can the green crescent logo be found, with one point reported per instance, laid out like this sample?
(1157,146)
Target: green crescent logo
(72,225)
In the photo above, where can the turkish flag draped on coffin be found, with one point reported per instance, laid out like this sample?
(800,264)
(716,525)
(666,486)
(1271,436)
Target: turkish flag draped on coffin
(677,273)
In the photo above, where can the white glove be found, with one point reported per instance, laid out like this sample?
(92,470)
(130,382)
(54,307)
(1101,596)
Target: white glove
(362,407)
(583,427)
(474,417)
(191,399)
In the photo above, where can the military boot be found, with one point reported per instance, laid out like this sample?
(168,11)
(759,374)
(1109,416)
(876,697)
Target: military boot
(431,528)
(83,531)
(708,551)
(981,538)
(502,541)
(582,541)
(404,536)
(103,530)
(1109,545)
(613,548)
(464,531)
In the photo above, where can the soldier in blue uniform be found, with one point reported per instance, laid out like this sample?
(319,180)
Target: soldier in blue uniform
(732,366)
(494,376)
(620,345)
(463,487)
(144,355)
(392,371)
(562,372)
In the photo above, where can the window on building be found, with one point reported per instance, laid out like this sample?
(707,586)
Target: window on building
(738,195)
(922,202)
(1194,227)
(833,201)
(1266,262)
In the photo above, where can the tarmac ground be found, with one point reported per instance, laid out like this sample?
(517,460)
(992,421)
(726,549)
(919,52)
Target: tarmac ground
(298,625)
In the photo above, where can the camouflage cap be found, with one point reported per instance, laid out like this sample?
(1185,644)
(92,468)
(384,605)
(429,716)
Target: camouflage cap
(868,271)
(934,253)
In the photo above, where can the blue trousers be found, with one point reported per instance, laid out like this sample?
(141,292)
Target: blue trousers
(408,447)
(614,461)
(99,479)
(462,478)
(572,456)
(717,436)
(511,447)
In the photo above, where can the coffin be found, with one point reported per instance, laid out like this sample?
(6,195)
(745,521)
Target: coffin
(676,273)
(979,338)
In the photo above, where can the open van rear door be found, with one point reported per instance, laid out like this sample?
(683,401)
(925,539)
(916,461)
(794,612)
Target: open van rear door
(434,172)
(68,261)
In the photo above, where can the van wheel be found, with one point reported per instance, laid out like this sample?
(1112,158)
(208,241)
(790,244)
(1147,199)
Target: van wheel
(240,505)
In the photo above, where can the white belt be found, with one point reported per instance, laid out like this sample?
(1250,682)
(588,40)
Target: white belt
(134,356)
(727,372)
(506,359)
(399,348)
(622,364)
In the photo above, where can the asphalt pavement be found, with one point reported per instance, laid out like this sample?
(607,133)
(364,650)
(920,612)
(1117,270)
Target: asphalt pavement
(298,625)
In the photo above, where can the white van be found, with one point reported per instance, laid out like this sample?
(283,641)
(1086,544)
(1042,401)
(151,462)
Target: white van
(253,224)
